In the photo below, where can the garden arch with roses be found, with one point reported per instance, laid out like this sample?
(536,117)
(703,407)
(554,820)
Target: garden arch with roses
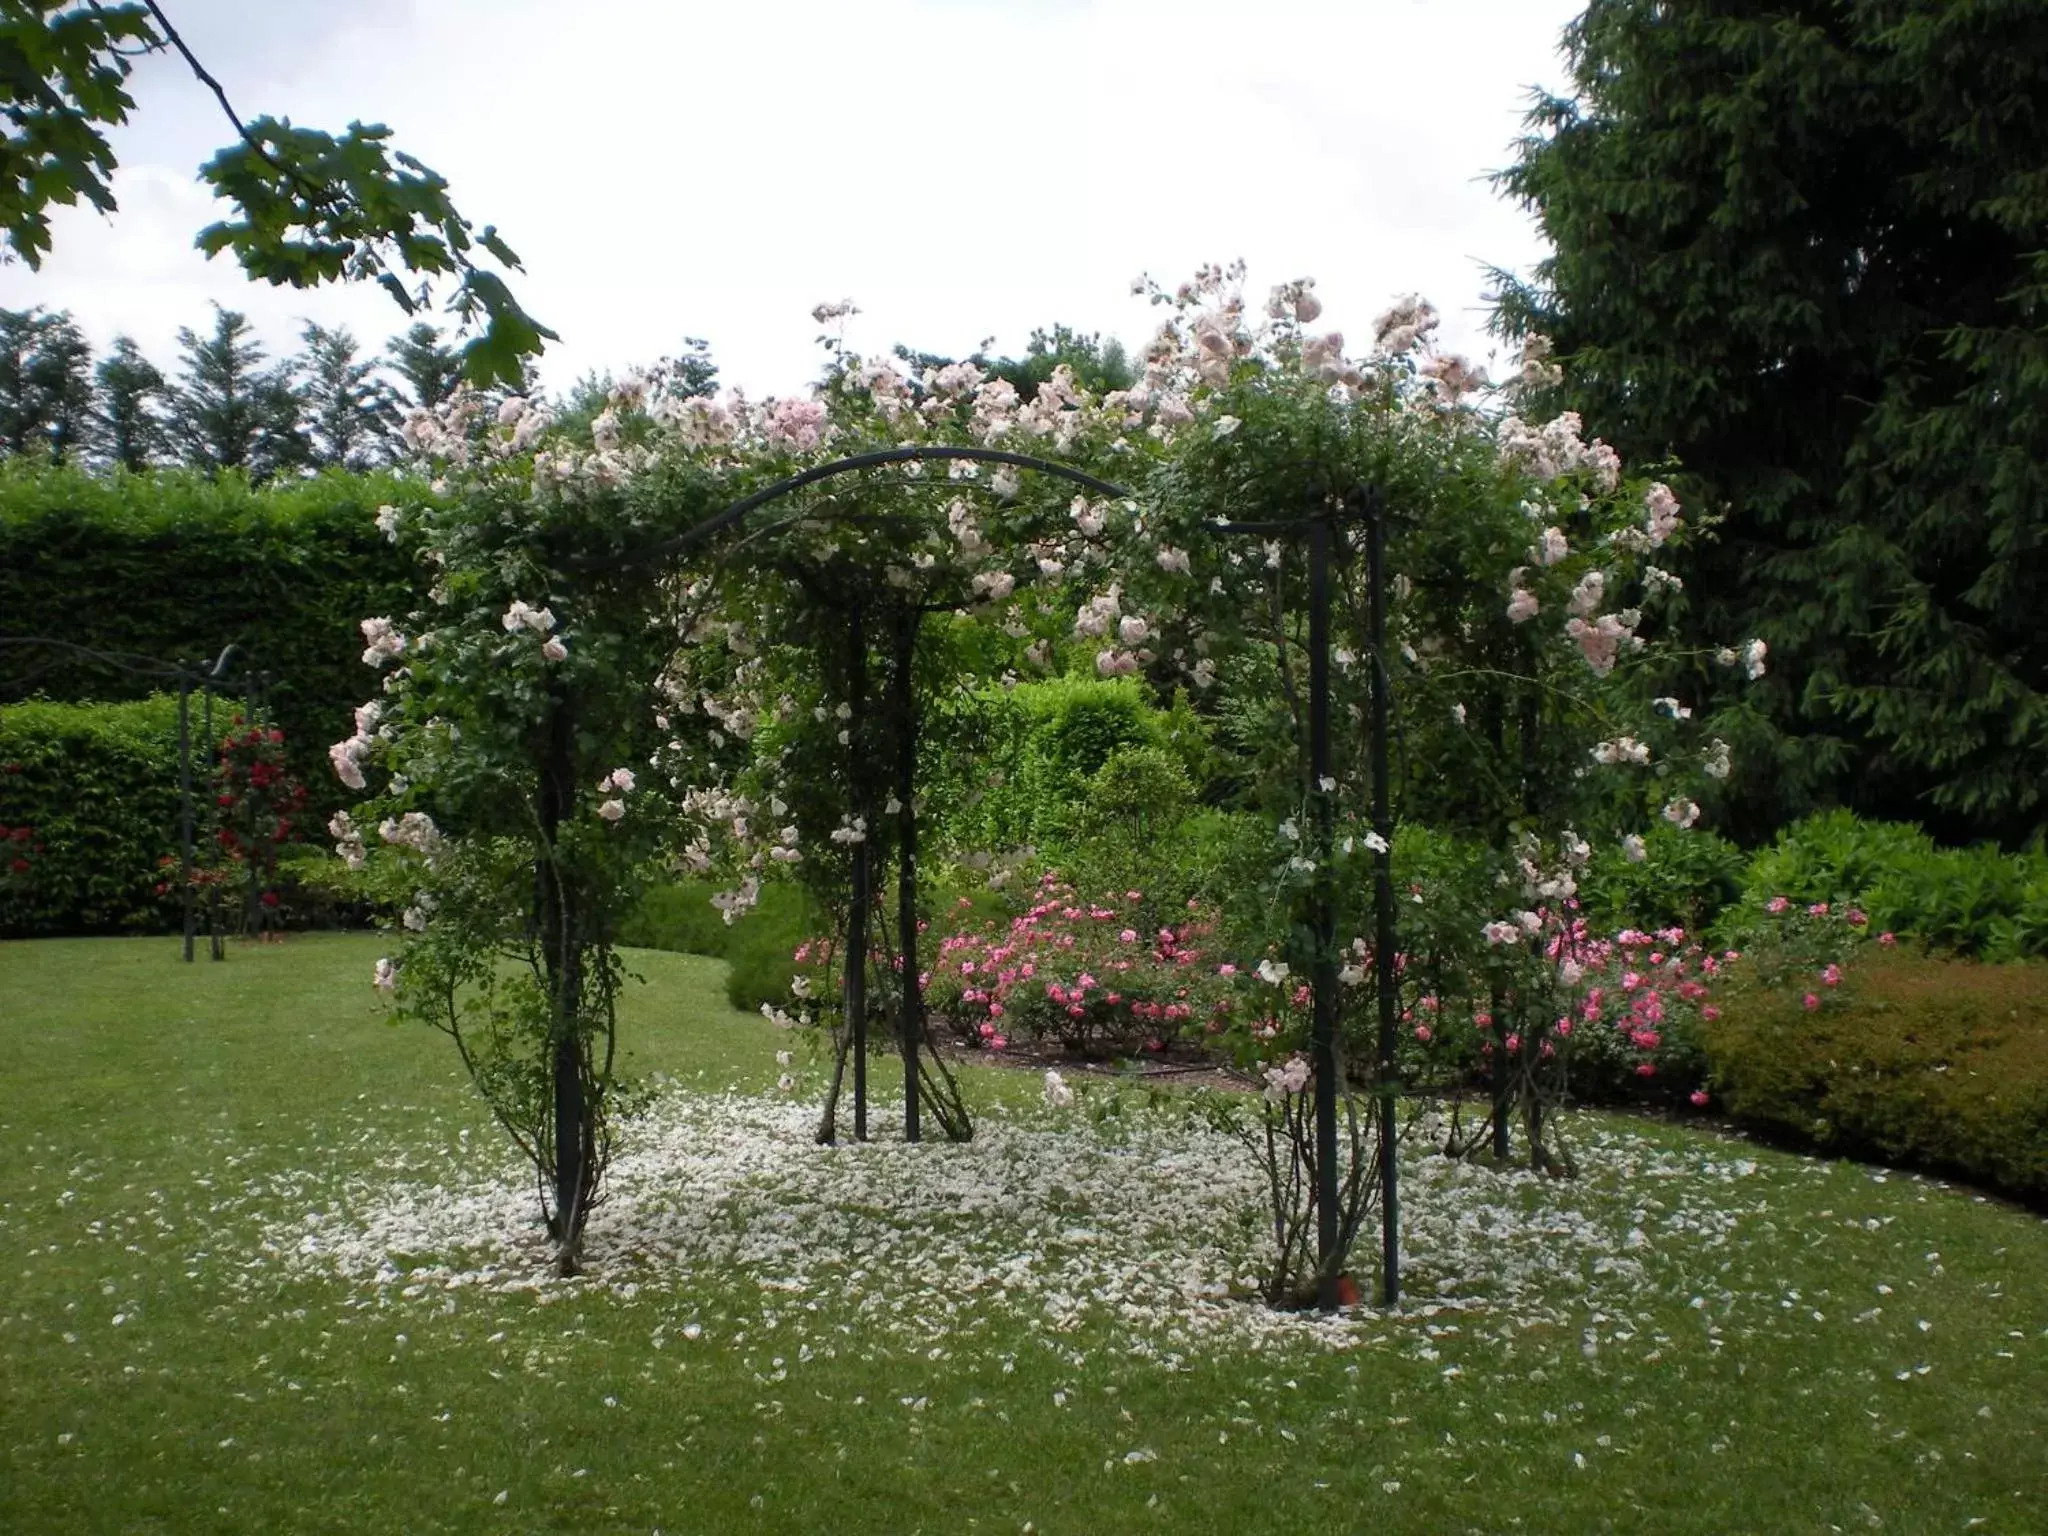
(704,641)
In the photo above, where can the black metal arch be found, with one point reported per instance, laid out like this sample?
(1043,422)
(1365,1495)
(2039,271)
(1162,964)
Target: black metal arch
(188,676)
(912,454)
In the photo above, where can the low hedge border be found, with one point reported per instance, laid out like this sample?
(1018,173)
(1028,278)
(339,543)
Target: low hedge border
(1923,1062)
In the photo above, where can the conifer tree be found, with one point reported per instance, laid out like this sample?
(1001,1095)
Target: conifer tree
(1801,249)
(45,383)
(229,410)
(427,366)
(128,427)
(351,416)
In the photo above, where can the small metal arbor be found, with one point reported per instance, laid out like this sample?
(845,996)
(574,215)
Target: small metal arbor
(1321,531)
(206,678)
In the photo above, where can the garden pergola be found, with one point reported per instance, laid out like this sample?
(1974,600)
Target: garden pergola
(1325,535)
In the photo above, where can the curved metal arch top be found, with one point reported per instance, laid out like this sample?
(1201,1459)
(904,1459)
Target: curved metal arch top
(915,453)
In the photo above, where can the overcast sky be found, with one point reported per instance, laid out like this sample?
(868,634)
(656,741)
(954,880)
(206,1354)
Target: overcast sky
(960,168)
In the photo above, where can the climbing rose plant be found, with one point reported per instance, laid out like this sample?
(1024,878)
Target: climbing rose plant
(593,694)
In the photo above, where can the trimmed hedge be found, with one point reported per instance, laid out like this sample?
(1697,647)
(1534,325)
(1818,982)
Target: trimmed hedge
(98,786)
(1930,1063)
(174,565)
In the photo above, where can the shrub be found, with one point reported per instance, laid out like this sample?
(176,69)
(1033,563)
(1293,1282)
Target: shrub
(1967,901)
(1834,857)
(1053,737)
(1685,879)
(757,948)
(1115,974)
(1940,1064)
(96,788)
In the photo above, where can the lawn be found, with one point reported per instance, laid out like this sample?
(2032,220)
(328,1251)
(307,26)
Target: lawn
(270,1270)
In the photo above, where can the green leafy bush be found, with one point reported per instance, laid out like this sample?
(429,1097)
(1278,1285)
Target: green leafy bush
(174,565)
(1971,901)
(1968,901)
(1835,857)
(97,786)
(1940,1064)
(1052,737)
(757,949)
(1685,879)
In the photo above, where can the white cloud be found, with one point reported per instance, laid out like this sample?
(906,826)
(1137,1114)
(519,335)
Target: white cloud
(961,167)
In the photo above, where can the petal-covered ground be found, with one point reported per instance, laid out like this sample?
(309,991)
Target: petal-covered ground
(1055,1222)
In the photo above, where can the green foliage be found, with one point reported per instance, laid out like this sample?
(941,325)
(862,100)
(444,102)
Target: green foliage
(1937,1064)
(351,417)
(1096,365)
(174,566)
(231,412)
(757,948)
(430,368)
(98,786)
(66,72)
(1684,879)
(1798,247)
(1139,796)
(128,419)
(1966,901)
(1051,737)
(1834,857)
(45,385)
(309,207)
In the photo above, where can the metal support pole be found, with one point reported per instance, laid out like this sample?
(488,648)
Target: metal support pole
(1383,901)
(1503,1090)
(855,991)
(563,959)
(910,1016)
(1323,977)
(252,888)
(189,897)
(216,941)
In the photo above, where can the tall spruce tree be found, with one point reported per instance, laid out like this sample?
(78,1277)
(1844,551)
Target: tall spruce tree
(351,416)
(229,411)
(429,368)
(128,427)
(45,383)
(1800,247)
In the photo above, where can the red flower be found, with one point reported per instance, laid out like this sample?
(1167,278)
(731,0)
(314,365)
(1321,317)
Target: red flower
(19,866)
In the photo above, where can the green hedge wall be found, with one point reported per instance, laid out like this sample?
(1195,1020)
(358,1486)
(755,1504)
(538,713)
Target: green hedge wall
(174,565)
(97,785)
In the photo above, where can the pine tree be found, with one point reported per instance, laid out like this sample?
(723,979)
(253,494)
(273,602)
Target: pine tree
(45,383)
(351,417)
(429,367)
(1799,249)
(129,431)
(691,372)
(230,411)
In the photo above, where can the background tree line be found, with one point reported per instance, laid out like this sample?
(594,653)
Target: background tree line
(225,405)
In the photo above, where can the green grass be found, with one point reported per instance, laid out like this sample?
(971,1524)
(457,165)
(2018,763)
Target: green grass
(160,1370)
